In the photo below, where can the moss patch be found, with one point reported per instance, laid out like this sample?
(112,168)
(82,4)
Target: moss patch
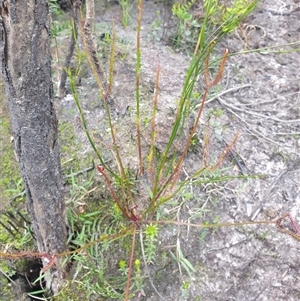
(9,169)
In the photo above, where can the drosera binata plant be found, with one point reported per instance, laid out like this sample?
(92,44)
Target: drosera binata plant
(162,173)
(159,174)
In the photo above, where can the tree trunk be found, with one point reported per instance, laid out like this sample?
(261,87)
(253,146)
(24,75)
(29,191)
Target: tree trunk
(26,69)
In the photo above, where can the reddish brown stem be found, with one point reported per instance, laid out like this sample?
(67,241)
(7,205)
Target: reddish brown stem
(218,77)
(133,217)
(101,170)
(295,227)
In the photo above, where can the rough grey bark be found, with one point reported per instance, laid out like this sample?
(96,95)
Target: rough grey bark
(26,70)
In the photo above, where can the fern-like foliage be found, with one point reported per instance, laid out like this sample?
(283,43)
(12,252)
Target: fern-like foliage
(182,10)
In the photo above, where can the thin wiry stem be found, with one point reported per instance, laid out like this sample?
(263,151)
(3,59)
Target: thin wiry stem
(94,63)
(75,95)
(205,144)
(293,224)
(138,76)
(111,63)
(101,170)
(130,264)
(151,152)
(223,154)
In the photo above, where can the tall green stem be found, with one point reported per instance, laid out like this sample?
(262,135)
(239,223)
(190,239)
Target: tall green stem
(138,76)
